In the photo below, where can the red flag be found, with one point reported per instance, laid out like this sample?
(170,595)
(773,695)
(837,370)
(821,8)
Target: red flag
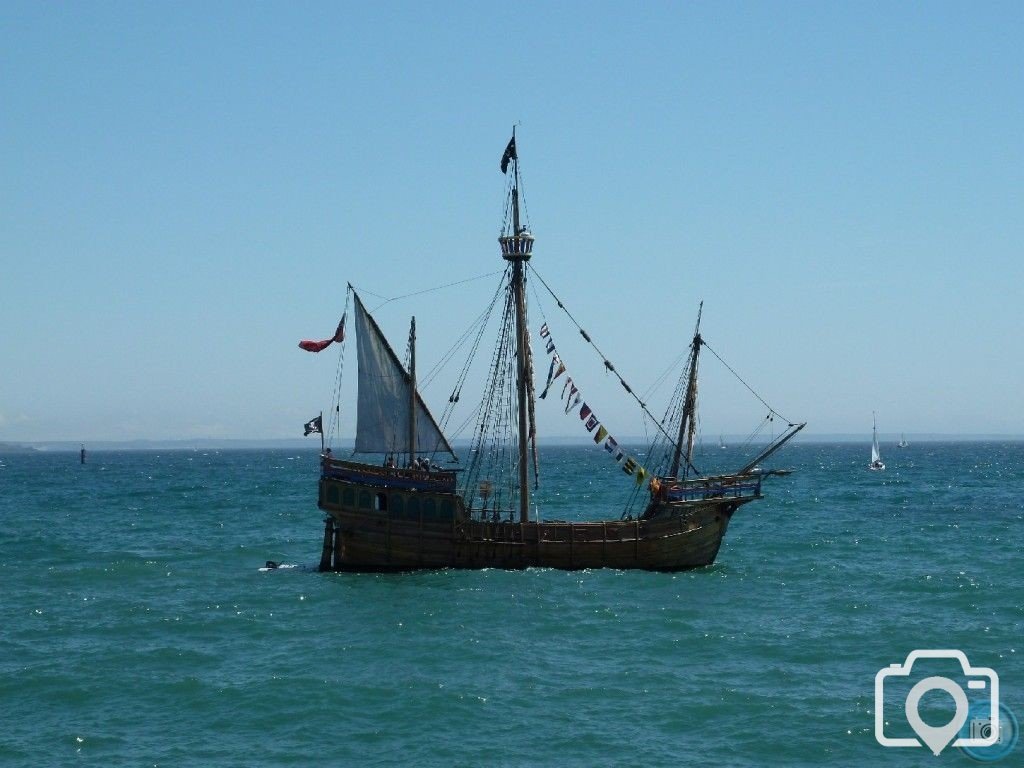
(320,346)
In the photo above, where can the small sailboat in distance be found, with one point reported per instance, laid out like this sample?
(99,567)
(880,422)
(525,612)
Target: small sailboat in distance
(721,443)
(903,441)
(876,464)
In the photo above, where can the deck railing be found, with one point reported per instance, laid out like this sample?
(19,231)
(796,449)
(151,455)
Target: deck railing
(718,487)
(391,477)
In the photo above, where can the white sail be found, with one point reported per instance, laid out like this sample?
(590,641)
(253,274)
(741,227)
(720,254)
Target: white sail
(382,418)
(876,457)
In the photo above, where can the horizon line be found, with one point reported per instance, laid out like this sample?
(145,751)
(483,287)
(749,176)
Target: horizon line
(299,442)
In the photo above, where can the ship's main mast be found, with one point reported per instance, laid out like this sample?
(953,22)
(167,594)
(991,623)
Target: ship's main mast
(412,393)
(517,248)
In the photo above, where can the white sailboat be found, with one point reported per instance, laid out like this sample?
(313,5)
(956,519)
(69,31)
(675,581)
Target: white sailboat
(876,464)
(903,441)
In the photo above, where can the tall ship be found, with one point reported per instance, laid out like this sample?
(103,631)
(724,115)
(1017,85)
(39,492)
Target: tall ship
(416,505)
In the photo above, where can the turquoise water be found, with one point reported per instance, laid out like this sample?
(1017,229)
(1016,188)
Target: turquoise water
(137,628)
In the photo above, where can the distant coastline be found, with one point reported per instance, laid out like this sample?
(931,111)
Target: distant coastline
(218,444)
(8,448)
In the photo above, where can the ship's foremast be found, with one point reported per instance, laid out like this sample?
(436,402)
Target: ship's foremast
(688,424)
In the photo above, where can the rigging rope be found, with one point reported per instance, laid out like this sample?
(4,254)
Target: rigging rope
(498,411)
(482,321)
(607,363)
(658,382)
(522,196)
(334,419)
(751,389)
(425,290)
(509,183)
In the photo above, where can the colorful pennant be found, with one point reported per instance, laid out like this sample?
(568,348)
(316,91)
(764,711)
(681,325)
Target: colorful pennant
(573,397)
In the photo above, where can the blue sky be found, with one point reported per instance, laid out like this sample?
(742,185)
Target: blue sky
(188,188)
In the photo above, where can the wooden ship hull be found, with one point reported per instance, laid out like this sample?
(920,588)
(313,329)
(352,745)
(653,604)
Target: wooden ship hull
(410,514)
(385,523)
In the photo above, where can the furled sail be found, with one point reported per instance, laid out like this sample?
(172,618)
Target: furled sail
(382,419)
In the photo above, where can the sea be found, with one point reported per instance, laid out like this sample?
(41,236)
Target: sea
(138,626)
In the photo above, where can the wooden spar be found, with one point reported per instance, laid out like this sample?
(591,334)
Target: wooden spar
(519,290)
(677,453)
(688,424)
(412,392)
(784,438)
(691,429)
(516,245)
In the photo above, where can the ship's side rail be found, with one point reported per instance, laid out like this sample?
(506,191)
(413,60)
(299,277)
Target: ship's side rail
(390,477)
(717,487)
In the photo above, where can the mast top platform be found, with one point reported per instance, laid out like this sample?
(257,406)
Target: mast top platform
(518,247)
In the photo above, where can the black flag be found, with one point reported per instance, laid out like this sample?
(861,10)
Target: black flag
(314,426)
(510,154)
